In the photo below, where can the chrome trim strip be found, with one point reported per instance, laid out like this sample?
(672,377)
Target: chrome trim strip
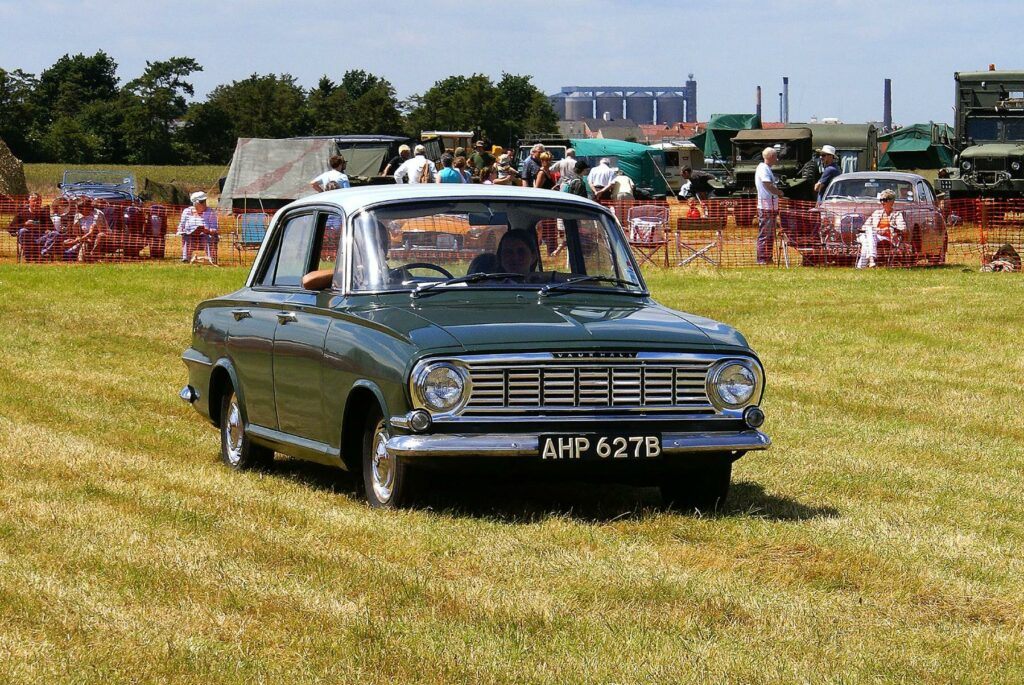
(194,356)
(528,444)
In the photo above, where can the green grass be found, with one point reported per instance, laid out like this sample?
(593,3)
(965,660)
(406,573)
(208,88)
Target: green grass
(879,540)
(43,178)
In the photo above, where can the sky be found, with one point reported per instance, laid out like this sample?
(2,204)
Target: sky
(836,53)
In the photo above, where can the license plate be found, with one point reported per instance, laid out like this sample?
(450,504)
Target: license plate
(569,446)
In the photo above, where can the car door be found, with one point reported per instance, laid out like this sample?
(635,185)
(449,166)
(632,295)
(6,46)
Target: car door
(250,341)
(302,323)
(932,225)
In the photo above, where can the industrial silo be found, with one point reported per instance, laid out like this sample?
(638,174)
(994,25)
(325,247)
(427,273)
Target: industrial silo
(558,104)
(578,108)
(640,108)
(670,109)
(611,104)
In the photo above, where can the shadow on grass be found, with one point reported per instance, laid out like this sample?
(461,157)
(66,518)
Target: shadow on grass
(522,499)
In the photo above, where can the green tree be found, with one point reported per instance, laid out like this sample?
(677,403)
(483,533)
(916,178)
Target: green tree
(151,104)
(328,107)
(67,140)
(456,103)
(71,83)
(205,136)
(524,109)
(263,106)
(16,112)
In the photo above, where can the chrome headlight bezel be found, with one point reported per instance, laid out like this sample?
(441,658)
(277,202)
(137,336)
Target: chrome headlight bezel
(716,373)
(419,388)
(966,165)
(1015,165)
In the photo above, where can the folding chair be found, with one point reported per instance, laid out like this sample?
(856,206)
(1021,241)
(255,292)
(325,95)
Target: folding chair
(252,231)
(702,248)
(647,224)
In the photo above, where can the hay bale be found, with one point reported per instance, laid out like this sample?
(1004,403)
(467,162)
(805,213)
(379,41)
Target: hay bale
(12,173)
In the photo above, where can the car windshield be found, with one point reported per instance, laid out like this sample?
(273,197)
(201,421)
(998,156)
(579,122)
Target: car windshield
(868,189)
(753,152)
(435,246)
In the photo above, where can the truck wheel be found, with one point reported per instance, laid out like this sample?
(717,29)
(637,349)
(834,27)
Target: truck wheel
(236,450)
(703,489)
(385,478)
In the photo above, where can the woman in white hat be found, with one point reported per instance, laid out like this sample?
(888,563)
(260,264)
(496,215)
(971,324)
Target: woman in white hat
(883,226)
(198,227)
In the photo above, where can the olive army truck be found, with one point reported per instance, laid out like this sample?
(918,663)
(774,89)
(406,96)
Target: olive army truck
(795,171)
(988,135)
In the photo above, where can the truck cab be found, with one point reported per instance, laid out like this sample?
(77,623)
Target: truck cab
(989,135)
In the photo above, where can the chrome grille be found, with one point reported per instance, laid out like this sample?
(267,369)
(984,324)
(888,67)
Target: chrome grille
(666,384)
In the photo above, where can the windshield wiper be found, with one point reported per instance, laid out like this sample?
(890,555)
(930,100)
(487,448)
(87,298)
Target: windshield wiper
(588,279)
(471,278)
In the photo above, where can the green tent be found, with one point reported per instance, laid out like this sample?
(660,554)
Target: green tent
(920,146)
(642,163)
(722,128)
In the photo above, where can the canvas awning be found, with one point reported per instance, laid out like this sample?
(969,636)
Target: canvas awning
(275,169)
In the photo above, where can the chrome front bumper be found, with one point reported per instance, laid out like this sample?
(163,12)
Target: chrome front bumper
(528,444)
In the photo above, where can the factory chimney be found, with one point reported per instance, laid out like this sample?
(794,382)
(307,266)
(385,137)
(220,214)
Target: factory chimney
(785,99)
(759,102)
(781,109)
(887,106)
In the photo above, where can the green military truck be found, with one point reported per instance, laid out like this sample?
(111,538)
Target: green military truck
(795,172)
(988,135)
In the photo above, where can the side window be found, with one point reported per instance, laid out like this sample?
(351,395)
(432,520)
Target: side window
(290,259)
(923,194)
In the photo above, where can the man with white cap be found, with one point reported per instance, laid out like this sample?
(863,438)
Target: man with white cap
(198,227)
(419,169)
(829,170)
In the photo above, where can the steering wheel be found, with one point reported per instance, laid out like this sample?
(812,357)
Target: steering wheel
(426,265)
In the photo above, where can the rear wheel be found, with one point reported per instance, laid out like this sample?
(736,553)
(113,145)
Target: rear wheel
(385,477)
(703,488)
(236,450)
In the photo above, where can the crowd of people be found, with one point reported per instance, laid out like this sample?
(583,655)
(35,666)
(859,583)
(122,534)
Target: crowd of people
(85,229)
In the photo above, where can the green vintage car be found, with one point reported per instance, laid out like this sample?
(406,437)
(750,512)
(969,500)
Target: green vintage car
(350,347)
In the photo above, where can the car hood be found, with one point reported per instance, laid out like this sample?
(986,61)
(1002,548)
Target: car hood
(523,321)
(992,150)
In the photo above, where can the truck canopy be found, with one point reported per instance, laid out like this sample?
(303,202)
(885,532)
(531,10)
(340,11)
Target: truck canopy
(642,163)
(716,140)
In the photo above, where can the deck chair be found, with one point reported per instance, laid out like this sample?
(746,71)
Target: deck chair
(647,226)
(701,239)
(252,229)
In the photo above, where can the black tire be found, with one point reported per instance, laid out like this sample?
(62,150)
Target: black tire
(236,450)
(703,488)
(386,480)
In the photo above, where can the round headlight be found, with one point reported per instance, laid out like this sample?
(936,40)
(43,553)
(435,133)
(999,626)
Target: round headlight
(1015,166)
(733,384)
(440,387)
(965,165)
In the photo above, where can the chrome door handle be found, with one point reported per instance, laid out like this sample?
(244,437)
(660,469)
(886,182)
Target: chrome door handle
(240,314)
(285,317)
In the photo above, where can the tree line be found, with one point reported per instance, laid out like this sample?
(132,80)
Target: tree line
(77,111)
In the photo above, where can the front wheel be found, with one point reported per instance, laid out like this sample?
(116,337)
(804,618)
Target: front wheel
(385,477)
(703,488)
(236,450)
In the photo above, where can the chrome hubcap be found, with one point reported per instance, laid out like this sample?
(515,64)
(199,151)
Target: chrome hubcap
(384,466)
(233,431)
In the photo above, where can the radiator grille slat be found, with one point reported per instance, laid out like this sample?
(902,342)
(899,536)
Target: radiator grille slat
(570,384)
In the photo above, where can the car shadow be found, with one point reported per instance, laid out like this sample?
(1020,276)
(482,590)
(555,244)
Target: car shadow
(521,499)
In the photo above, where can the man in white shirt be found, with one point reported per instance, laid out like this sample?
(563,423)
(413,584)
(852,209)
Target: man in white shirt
(333,178)
(566,167)
(622,186)
(768,195)
(600,178)
(419,169)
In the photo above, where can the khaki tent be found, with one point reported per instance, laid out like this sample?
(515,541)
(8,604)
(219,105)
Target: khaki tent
(12,173)
(268,173)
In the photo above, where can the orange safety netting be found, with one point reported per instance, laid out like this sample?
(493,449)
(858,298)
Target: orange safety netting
(723,232)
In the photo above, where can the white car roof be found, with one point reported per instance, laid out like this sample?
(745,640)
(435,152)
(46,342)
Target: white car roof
(351,199)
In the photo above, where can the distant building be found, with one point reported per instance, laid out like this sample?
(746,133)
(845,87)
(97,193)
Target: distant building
(642,104)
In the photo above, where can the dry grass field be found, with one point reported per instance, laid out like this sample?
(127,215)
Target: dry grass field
(879,541)
(43,178)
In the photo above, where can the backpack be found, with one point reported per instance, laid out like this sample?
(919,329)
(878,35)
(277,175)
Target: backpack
(425,172)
